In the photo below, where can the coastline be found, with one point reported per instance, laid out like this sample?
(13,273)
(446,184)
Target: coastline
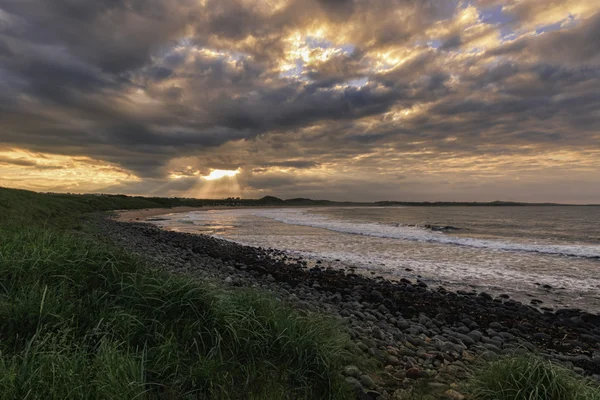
(468,261)
(414,331)
(142,214)
(139,215)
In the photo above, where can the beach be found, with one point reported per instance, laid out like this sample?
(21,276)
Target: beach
(544,256)
(416,331)
(140,215)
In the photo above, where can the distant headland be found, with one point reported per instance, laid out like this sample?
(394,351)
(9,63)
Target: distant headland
(301,201)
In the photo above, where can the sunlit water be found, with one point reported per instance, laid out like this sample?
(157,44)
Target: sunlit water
(514,250)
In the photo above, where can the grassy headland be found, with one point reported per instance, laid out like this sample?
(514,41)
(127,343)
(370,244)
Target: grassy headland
(81,319)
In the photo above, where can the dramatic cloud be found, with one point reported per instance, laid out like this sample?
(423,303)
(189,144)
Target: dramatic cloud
(343,99)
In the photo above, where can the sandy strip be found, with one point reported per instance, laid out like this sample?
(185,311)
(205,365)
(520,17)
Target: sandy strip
(145,213)
(141,215)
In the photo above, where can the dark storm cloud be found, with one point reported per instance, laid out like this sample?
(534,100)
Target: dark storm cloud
(339,69)
(577,45)
(580,44)
(295,85)
(303,106)
(115,35)
(271,181)
(17,161)
(452,42)
(55,79)
(24,162)
(300,164)
(338,9)
(372,138)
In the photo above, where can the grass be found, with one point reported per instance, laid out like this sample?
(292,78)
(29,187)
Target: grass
(515,377)
(62,210)
(530,378)
(82,320)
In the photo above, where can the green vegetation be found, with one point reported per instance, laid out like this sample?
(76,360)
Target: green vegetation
(530,378)
(80,319)
(516,377)
(22,207)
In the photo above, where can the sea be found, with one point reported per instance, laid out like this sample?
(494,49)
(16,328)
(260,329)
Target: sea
(548,254)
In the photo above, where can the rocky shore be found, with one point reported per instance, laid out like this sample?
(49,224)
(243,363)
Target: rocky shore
(414,331)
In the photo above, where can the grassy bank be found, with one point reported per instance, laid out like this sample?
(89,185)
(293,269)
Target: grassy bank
(79,319)
(64,210)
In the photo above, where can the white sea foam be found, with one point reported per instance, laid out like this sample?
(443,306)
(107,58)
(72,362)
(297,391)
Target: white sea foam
(517,267)
(304,217)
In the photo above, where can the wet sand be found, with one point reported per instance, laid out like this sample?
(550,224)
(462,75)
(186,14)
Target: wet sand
(142,214)
(145,213)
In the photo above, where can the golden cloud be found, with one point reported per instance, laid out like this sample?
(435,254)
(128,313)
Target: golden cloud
(52,172)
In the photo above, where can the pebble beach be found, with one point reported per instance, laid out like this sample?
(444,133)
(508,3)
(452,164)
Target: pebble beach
(413,331)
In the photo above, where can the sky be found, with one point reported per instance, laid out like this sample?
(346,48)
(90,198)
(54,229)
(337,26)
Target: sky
(365,100)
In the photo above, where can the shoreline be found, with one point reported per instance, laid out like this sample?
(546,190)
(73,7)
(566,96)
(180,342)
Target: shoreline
(415,331)
(544,292)
(140,215)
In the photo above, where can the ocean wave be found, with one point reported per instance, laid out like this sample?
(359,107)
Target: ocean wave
(422,234)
